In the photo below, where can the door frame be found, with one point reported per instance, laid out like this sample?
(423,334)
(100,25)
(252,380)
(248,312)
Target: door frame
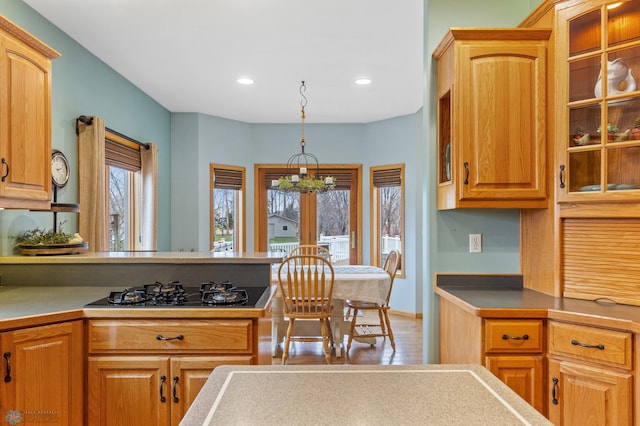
(260,239)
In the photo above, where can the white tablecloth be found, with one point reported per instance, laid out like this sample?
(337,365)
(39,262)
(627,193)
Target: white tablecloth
(361,282)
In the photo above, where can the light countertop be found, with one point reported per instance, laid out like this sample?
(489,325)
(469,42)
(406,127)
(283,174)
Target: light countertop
(27,306)
(358,395)
(177,257)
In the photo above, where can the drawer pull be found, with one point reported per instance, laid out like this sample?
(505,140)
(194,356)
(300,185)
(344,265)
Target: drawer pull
(574,342)
(175,391)
(7,377)
(553,391)
(507,337)
(4,162)
(161,337)
(162,380)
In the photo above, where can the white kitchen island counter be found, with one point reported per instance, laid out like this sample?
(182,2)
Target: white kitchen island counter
(358,395)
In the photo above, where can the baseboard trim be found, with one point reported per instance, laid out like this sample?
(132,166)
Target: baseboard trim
(417,315)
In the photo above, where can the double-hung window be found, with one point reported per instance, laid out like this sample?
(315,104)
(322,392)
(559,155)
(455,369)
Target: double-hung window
(123,165)
(117,189)
(387,213)
(227,217)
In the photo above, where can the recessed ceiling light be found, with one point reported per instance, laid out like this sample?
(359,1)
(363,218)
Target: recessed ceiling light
(245,81)
(362,81)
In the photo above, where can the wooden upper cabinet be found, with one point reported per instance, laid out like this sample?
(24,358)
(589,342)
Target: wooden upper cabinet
(491,118)
(599,121)
(25,119)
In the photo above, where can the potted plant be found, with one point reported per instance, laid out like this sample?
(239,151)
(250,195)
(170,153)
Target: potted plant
(611,130)
(49,241)
(635,132)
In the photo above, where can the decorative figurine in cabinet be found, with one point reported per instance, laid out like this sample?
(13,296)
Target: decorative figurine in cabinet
(603,58)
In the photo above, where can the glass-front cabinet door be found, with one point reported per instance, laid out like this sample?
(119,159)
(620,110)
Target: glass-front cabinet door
(601,155)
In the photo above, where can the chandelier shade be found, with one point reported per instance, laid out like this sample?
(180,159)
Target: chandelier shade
(303,168)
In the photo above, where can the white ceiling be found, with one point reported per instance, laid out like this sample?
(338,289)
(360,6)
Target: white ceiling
(187,54)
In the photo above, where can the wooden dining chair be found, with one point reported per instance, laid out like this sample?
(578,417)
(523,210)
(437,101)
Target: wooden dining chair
(311,249)
(305,283)
(365,328)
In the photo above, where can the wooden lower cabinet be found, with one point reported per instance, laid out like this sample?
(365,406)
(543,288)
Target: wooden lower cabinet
(147,390)
(586,395)
(43,375)
(149,371)
(590,375)
(522,373)
(511,348)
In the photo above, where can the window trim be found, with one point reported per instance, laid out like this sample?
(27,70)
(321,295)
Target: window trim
(124,154)
(264,173)
(375,216)
(240,203)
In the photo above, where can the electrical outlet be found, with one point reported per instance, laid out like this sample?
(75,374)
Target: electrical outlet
(475,243)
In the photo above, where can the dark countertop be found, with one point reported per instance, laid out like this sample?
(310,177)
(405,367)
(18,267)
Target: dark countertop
(358,394)
(502,296)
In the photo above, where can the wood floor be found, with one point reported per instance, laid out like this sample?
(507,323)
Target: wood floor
(407,333)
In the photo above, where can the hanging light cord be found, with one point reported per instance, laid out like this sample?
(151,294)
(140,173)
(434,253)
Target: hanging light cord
(303,103)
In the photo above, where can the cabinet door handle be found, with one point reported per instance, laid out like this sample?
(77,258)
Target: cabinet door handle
(507,337)
(161,337)
(574,342)
(162,380)
(4,162)
(554,397)
(466,173)
(7,377)
(175,391)
(562,176)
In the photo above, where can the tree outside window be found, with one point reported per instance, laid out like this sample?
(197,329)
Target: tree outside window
(227,207)
(387,221)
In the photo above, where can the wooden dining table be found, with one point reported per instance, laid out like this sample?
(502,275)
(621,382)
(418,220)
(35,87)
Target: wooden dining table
(361,282)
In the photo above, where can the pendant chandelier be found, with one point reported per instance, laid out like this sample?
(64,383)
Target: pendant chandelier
(299,166)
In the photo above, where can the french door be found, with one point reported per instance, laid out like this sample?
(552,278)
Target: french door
(332,219)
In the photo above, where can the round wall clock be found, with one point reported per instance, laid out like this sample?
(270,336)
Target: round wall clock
(59,169)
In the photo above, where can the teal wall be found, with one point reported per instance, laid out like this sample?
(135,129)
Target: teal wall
(203,139)
(84,85)
(188,142)
(446,241)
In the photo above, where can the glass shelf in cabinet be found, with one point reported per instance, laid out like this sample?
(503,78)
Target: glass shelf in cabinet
(619,73)
(622,167)
(583,78)
(584,170)
(624,114)
(622,23)
(584,125)
(585,33)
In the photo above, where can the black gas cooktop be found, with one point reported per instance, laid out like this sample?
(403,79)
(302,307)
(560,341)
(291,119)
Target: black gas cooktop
(175,295)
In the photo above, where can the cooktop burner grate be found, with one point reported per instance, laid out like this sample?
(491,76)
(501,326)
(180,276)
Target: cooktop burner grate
(174,294)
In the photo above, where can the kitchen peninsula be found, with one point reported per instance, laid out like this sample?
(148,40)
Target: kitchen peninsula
(160,349)
(340,394)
